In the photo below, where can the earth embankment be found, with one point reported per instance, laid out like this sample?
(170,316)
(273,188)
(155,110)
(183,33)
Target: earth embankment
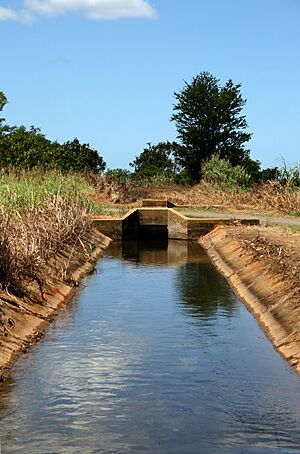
(23,320)
(263,267)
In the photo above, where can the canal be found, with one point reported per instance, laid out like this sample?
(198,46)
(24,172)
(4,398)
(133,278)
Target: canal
(155,355)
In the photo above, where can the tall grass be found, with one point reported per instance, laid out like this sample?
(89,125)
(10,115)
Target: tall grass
(41,214)
(270,197)
(21,190)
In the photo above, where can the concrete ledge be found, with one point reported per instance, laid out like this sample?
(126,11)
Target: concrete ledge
(179,226)
(157,203)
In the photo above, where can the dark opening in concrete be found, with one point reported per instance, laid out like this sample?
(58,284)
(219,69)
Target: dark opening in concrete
(152,232)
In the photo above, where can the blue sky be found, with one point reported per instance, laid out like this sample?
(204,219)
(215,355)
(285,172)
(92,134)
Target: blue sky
(105,70)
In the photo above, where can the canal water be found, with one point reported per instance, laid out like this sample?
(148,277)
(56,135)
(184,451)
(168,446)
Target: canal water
(155,355)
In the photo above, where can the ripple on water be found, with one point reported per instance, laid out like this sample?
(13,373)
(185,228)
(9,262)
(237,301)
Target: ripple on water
(152,358)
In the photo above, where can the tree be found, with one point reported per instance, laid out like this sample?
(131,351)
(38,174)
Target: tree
(29,148)
(26,148)
(3,101)
(209,122)
(76,156)
(156,159)
(3,128)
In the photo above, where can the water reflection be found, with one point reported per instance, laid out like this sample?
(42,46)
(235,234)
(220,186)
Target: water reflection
(158,252)
(156,356)
(204,292)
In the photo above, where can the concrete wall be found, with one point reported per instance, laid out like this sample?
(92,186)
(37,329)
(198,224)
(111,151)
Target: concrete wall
(153,216)
(179,227)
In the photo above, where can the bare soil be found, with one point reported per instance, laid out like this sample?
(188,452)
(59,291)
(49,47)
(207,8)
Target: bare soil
(262,265)
(278,250)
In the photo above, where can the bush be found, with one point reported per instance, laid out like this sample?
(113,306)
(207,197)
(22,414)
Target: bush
(290,176)
(29,148)
(223,175)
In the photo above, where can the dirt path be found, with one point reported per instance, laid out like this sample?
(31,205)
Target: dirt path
(265,220)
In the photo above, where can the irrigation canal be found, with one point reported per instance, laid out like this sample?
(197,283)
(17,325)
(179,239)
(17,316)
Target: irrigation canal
(155,355)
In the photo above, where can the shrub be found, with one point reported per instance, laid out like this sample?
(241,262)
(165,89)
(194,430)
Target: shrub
(223,175)
(290,176)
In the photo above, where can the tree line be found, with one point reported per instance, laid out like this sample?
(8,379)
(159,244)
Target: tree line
(210,129)
(211,143)
(28,148)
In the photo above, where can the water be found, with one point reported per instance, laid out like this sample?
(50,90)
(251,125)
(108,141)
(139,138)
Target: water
(156,355)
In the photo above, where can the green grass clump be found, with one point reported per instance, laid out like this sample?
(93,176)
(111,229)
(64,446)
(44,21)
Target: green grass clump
(21,190)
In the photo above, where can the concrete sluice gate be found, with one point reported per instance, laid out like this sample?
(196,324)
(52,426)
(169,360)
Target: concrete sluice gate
(161,222)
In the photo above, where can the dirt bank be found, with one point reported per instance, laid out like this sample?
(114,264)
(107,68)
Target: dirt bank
(263,267)
(23,320)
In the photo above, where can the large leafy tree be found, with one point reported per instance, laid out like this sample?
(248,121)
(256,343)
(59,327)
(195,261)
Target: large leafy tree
(156,159)
(209,122)
(25,148)
(77,156)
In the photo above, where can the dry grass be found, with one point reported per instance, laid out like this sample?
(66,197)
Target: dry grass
(29,240)
(116,192)
(270,197)
(278,249)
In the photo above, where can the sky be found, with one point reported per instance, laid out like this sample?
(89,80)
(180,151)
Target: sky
(105,71)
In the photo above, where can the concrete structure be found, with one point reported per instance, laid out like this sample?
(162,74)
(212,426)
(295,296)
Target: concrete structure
(161,222)
(157,203)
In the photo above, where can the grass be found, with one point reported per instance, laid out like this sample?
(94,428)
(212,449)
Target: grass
(105,209)
(269,198)
(41,214)
(294,229)
(23,190)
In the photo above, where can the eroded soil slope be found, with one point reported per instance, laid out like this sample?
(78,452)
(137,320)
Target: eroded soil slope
(263,266)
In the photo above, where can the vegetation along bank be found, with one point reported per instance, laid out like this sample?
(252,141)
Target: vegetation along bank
(50,190)
(47,244)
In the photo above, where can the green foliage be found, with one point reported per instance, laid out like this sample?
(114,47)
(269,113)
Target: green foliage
(156,159)
(269,174)
(3,101)
(29,148)
(209,121)
(290,175)
(79,157)
(24,148)
(3,127)
(223,175)
(119,176)
(252,167)
(158,164)
(21,190)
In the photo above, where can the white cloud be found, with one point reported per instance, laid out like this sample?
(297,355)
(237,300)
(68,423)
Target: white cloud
(8,14)
(93,9)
